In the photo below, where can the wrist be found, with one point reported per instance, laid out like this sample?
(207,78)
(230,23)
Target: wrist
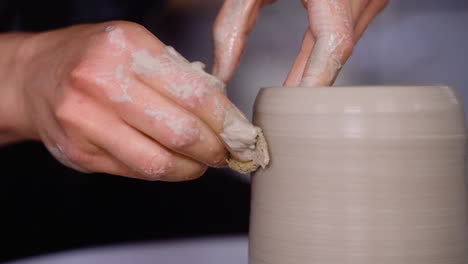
(15,53)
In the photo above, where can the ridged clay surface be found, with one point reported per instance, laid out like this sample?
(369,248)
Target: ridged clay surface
(361,175)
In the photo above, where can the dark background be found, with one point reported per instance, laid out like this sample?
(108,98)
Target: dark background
(46,207)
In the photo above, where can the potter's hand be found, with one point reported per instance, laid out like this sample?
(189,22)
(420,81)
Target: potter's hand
(113,98)
(233,23)
(335,26)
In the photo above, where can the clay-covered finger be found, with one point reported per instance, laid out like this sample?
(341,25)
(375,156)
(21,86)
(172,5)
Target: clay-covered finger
(189,86)
(297,70)
(171,125)
(185,83)
(102,133)
(149,159)
(233,23)
(332,28)
(164,70)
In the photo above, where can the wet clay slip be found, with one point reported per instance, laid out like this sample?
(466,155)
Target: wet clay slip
(361,175)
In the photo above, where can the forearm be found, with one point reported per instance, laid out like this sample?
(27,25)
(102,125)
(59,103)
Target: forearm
(11,68)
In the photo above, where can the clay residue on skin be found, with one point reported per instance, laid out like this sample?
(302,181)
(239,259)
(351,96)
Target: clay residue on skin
(343,13)
(189,81)
(261,158)
(241,137)
(145,63)
(178,126)
(155,169)
(124,84)
(197,67)
(117,39)
(109,28)
(239,134)
(170,63)
(226,35)
(103,77)
(325,60)
(332,35)
(218,109)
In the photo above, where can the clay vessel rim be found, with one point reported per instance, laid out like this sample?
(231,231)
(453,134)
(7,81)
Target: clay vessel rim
(336,87)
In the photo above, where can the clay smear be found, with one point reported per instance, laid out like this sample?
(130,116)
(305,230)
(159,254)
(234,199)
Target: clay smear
(189,81)
(171,63)
(332,28)
(230,29)
(243,138)
(178,126)
(325,60)
(124,84)
(117,39)
(155,168)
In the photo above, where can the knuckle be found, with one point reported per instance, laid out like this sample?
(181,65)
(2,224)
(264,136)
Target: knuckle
(184,133)
(192,89)
(116,38)
(217,155)
(79,76)
(66,111)
(157,167)
(87,78)
(92,79)
(218,31)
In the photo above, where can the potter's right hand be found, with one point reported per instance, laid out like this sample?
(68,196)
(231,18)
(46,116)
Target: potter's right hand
(113,98)
(334,28)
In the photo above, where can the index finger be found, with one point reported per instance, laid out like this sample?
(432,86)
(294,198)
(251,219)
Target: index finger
(233,23)
(332,27)
(189,86)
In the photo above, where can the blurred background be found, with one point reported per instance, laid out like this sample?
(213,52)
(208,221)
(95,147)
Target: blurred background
(45,207)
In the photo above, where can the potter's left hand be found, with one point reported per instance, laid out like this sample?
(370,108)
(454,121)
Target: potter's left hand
(334,28)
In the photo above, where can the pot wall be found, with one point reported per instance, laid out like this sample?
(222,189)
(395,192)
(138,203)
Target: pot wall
(361,175)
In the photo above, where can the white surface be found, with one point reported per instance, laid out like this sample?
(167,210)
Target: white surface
(228,250)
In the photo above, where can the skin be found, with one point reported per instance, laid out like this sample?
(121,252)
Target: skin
(64,88)
(79,92)
(314,65)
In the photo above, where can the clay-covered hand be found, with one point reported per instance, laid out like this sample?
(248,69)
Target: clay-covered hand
(113,98)
(334,28)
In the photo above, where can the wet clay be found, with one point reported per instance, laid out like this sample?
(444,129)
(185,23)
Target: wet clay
(260,157)
(246,141)
(240,136)
(361,175)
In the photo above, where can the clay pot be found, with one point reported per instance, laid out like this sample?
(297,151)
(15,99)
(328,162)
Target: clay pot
(361,175)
